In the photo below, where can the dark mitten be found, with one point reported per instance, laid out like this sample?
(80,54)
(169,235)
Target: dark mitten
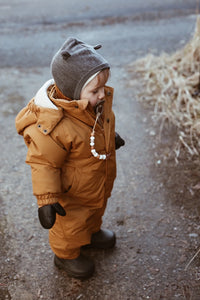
(47,214)
(118,141)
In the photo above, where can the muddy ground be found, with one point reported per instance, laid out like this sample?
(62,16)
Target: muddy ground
(154,208)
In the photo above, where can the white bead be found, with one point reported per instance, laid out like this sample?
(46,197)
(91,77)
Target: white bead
(92,144)
(94,152)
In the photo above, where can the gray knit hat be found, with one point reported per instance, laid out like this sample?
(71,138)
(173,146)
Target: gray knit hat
(73,64)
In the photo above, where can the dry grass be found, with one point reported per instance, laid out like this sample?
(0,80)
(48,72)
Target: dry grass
(171,83)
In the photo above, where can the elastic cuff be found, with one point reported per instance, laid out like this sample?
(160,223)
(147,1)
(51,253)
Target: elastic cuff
(68,254)
(47,199)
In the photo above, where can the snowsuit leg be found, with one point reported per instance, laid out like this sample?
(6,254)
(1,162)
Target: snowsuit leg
(74,230)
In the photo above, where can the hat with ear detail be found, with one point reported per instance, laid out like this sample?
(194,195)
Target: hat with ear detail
(73,64)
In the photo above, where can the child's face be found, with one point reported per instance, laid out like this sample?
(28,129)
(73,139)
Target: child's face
(94,90)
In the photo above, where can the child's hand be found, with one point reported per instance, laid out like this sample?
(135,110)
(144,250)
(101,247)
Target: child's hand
(47,214)
(118,141)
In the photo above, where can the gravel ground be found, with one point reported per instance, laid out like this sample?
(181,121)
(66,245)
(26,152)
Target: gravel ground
(154,208)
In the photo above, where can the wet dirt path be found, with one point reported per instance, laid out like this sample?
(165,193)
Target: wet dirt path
(153,209)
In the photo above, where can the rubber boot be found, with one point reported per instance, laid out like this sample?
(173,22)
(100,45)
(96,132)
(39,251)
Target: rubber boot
(103,239)
(81,267)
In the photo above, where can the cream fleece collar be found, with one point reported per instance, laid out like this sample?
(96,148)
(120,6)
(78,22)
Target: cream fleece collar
(41,97)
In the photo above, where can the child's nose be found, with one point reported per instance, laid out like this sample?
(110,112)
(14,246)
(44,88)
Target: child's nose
(101,94)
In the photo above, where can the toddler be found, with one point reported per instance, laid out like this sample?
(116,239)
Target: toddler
(69,129)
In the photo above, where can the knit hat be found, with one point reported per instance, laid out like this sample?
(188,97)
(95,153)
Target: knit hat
(73,64)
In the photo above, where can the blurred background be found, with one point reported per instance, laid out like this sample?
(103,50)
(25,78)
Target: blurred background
(154,209)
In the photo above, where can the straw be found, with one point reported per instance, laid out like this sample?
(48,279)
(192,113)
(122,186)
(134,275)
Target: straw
(171,83)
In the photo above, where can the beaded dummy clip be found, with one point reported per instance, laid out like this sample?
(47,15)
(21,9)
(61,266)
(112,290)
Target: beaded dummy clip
(92,137)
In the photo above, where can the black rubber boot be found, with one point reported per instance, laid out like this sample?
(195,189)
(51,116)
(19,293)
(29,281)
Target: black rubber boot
(103,239)
(81,267)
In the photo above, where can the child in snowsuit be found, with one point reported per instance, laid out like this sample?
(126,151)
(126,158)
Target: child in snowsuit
(69,129)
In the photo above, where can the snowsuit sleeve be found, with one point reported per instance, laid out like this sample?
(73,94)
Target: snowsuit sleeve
(46,157)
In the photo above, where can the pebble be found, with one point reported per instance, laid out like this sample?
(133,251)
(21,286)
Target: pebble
(194,235)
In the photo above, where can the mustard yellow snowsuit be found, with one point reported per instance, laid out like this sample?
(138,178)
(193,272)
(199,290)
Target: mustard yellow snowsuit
(57,134)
